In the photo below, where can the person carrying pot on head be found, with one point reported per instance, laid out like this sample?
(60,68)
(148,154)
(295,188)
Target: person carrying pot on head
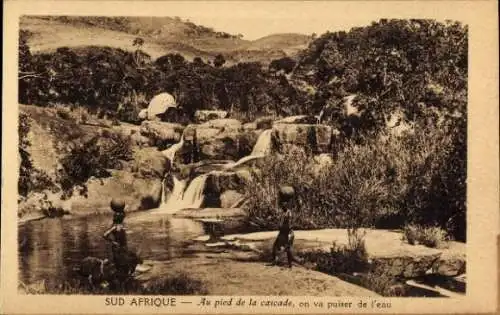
(286,200)
(118,238)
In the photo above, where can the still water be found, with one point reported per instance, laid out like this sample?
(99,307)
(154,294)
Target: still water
(50,249)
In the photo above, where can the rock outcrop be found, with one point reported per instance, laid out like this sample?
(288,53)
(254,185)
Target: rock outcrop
(202,116)
(138,193)
(387,254)
(318,138)
(220,182)
(149,163)
(162,133)
(219,139)
(299,119)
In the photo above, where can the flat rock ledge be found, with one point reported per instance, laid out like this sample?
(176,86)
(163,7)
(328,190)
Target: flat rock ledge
(388,254)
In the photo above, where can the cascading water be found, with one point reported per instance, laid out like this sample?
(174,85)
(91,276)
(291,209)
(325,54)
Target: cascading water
(192,196)
(261,148)
(263,144)
(182,198)
(170,152)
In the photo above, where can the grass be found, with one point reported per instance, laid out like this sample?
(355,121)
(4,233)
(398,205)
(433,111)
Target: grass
(433,236)
(348,258)
(179,284)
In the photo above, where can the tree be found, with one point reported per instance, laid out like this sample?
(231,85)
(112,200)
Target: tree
(219,61)
(138,41)
(197,61)
(139,55)
(286,64)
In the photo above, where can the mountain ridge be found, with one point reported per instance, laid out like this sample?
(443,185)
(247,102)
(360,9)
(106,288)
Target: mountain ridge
(161,35)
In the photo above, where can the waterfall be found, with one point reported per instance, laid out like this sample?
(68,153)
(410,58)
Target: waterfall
(261,148)
(176,195)
(170,152)
(263,145)
(182,198)
(193,196)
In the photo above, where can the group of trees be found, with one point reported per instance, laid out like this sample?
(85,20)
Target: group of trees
(103,78)
(416,67)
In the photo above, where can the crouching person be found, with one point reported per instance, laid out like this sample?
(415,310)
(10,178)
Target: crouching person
(286,199)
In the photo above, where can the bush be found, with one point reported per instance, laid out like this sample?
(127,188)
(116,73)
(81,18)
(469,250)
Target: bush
(428,236)
(349,258)
(383,182)
(289,168)
(93,159)
(130,106)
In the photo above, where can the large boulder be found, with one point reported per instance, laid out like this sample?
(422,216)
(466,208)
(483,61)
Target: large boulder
(404,264)
(450,264)
(202,116)
(159,105)
(222,139)
(316,137)
(162,133)
(150,163)
(140,140)
(249,127)
(219,182)
(136,192)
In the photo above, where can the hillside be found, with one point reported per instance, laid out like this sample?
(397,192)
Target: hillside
(161,36)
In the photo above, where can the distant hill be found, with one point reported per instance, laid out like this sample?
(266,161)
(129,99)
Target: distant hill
(161,35)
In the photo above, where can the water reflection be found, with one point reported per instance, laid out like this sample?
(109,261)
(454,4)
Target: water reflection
(50,249)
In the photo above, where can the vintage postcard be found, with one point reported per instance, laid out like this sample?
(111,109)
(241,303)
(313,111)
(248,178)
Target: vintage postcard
(238,157)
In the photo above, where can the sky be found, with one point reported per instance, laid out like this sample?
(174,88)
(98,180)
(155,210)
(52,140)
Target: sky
(256,19)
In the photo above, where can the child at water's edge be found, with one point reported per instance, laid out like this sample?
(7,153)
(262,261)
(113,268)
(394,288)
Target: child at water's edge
(285,236)
(118,237)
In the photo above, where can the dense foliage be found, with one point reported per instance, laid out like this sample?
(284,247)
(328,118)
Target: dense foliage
(93,158)
(107,79)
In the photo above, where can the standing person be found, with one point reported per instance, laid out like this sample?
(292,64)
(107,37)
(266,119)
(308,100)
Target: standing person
(118,238)
(286,198)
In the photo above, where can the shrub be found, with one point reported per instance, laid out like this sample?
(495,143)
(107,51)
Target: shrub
(349,258)
(289,168)
(63,113)
(383,182)
(93,158)
(428,236)
(130,106)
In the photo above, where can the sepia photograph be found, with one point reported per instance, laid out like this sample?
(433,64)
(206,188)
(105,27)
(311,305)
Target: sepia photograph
(205,154)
